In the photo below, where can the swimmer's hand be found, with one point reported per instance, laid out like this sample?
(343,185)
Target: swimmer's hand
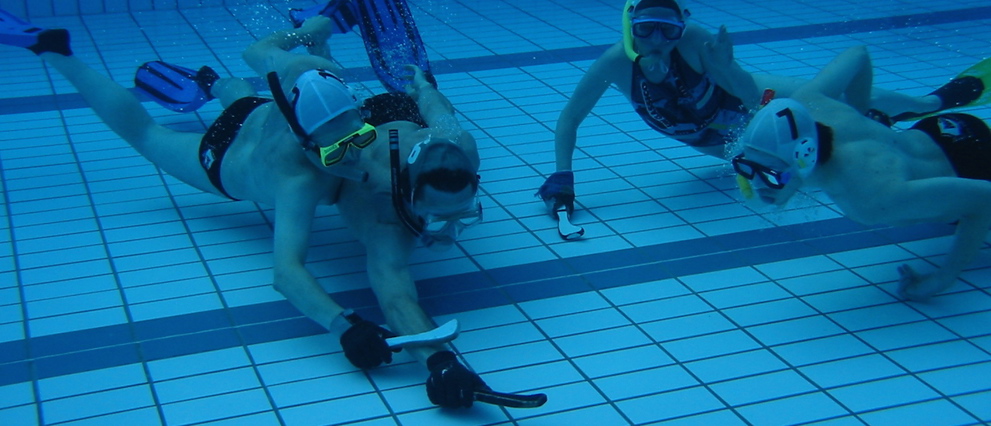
(365,346)
(915,286)
(559,191)
(720,51)
(451,384)
(417,81)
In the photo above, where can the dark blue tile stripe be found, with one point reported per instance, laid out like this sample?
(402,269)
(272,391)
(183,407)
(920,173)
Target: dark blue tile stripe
(571,54)
(105,347)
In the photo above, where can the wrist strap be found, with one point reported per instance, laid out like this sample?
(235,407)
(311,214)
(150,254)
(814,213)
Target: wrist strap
(344,321)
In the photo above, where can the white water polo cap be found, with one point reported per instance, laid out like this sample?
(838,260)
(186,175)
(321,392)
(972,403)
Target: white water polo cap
(320,96)
(785,129)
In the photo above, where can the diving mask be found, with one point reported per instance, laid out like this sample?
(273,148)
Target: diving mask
(337,151)
(645,27)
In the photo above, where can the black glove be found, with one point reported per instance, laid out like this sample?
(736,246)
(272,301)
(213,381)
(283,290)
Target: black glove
(364,343)
(558,191)
(451,384)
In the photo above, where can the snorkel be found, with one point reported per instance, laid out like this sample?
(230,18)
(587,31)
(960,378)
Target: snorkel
(339,170)
(628,32)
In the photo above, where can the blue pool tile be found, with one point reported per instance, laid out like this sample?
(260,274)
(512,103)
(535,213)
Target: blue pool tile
(886,393)
(280,330)
(735,366)
(181,324)
(532,378)
(563,398)
(762,387)
(622,361)
(669,405)
(189,344)
(852,370)
(582,322)
(91,381)
(198,363)
(599,414)
(793,410)
(216,407)
(769,312)
(636,293)
(959,380)
(790,331)
(546,289)
(939,355)
(602,341)
(822,350)
(665,308)
(710,345)
(939,412)
(563,305)
(906,335)
(979,404)
(204,385)
(876,316)
(20,415)
(99,403)
(509,357)
(320,389)
(626,276)
(687,326)
(645,382)
(87,360)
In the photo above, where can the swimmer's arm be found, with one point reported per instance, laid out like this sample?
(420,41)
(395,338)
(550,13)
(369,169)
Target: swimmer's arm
(388,247)
(438,112)
(272,53)
(588,92)
(847,77)
(716,56)
(944,200)
(293,220)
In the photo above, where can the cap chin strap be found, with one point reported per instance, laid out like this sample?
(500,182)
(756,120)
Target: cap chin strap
(398,203)
(346,172)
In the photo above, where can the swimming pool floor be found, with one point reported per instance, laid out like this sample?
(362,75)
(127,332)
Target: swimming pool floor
(127,297)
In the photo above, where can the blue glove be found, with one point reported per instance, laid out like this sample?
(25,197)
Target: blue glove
(364,343)
(451,384)
(559,191)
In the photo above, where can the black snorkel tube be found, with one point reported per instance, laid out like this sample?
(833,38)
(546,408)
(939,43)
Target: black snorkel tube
(306,141)
(398,202)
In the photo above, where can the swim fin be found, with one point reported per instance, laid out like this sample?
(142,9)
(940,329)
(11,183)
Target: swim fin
(173,87)
(971,88)
(340,12)
(391,41)
(17,32)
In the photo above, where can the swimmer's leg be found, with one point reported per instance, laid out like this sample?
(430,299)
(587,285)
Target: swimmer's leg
(883,102)
(177,153)
(229,90)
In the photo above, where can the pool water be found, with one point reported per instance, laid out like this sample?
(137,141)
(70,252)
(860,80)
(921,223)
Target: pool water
(128,297)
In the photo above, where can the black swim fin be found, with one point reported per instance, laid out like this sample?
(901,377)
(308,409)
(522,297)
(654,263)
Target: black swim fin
(15,31)
(970,88)
(173,87)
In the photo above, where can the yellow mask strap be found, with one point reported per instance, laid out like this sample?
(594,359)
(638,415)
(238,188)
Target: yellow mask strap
(745,188)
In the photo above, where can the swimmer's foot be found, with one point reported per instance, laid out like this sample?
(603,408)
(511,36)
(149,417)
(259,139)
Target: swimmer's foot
(17,32)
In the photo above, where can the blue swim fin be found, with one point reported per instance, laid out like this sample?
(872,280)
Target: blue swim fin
(173,87)
(340,12)
(17,32)
(391,41)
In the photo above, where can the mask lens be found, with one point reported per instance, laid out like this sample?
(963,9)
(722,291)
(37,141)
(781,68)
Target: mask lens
(743,167)
(671,30)
(333,153)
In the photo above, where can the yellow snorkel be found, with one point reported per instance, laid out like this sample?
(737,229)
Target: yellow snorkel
(628,32)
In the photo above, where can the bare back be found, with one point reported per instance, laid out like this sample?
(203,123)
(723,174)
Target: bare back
(869,160)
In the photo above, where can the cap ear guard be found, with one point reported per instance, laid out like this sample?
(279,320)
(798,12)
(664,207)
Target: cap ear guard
(785,129)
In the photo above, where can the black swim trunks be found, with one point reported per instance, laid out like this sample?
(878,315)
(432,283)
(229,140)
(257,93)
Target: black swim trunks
(219,136)
(388,107)
(966,141)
